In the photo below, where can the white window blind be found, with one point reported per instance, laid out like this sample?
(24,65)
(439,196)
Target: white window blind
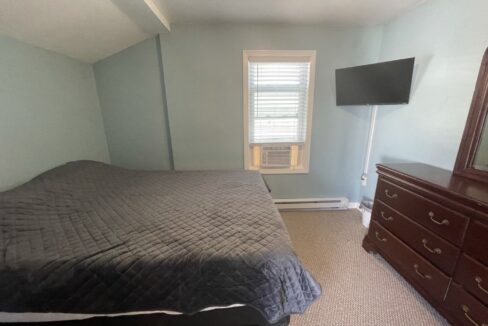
(278,101)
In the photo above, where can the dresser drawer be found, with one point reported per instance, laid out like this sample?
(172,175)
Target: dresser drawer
(465,308)
(438,251)
(474,277)
(444,222)
(476,243)
(417,268)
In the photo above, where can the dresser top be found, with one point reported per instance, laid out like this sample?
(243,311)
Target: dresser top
(427,176)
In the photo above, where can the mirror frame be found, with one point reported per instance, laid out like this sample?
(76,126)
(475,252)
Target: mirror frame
(474,128)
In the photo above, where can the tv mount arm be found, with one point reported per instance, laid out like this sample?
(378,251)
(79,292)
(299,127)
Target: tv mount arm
(367,156)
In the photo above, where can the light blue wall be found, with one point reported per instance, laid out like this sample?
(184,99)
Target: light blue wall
(131,97)
(203,77)
(448,38)
(49,112)
(203,73)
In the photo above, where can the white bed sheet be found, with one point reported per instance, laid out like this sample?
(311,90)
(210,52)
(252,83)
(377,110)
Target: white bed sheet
(28,317)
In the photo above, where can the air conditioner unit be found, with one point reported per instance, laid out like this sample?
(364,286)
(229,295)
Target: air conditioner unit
(312,203)
(276,156)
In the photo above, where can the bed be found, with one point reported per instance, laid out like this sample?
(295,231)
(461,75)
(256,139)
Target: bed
(88,239)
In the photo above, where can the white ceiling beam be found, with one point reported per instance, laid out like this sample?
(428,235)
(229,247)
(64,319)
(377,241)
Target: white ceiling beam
(150,15)
(160,11)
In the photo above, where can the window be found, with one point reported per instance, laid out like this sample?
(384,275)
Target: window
(278,103)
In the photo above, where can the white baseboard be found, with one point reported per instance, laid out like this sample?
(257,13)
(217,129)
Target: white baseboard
(338,203)
(353,205)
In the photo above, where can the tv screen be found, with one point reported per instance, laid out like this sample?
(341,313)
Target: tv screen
(376,84)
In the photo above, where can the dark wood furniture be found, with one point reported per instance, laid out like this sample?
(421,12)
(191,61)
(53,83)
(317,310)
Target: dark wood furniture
(432,227)
(475,129)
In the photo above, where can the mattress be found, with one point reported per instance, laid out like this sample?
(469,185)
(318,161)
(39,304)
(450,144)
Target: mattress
(90,238)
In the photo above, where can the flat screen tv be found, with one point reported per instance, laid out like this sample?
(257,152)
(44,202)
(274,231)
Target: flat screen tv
(376,84)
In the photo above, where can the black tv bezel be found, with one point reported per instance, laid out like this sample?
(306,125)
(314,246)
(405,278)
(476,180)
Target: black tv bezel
(376,64)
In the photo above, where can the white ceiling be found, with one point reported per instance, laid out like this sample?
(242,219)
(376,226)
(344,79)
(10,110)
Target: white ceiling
(332,12)
(88,30)
(91,30)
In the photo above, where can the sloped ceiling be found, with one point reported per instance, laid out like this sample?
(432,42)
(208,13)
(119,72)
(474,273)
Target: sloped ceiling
(90,30)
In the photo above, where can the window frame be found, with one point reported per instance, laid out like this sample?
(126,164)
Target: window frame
(269,55)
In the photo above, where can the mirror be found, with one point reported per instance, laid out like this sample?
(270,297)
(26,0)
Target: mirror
(481,158)
(472,159)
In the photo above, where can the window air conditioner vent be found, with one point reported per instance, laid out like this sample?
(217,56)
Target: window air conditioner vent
(276,156)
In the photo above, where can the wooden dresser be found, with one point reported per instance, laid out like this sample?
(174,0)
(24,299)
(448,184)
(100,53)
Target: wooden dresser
(432,227)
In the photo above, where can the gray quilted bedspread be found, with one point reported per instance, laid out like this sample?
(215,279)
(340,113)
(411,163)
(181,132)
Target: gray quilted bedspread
(88,237)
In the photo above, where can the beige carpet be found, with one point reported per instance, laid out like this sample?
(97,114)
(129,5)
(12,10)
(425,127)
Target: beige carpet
(358,288)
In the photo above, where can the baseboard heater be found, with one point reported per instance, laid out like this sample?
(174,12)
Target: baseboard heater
(312,203)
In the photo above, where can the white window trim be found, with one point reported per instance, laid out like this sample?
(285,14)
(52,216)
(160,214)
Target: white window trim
(270,54)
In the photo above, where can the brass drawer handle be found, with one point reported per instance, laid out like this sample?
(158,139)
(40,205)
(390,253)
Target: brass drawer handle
(388,219)
(377,234)
(392,196)
(468,317)
(437,251)
(479,280)
(424,276)
(443,222)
